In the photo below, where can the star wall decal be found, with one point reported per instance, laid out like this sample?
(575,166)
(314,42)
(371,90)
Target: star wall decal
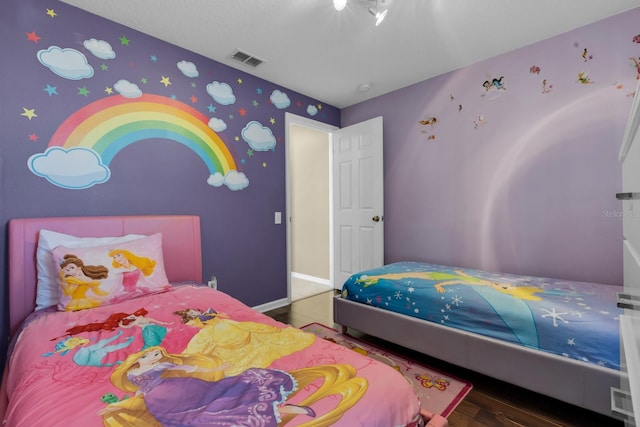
(144,80)
(29,113)
(52,13)
(124,41)
(194,99)
(83,91)
(104,67)
(165,81)
(154,58)
(51,90)
(33,137)
(272,121)
(33,37)
(108,90)
(242,112)
(240,81)
(211,108)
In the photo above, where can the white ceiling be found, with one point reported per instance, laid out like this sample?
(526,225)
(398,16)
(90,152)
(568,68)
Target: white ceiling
(311,48)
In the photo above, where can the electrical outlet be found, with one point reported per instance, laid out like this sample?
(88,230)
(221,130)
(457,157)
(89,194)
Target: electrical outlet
(278,218)
(213,282)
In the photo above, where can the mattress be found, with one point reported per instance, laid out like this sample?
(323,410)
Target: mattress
(577,320)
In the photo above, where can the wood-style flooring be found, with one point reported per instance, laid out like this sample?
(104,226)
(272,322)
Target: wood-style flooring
(491,403)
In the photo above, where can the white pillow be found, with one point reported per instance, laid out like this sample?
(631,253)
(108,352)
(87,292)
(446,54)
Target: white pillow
(47,291)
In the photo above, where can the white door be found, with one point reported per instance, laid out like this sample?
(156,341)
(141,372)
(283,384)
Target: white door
(358,227)
(630,158)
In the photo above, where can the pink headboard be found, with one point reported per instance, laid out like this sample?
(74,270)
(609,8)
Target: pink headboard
(180,244)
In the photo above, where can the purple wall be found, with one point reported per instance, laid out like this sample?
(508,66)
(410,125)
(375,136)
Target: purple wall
(518,176)
(154,175)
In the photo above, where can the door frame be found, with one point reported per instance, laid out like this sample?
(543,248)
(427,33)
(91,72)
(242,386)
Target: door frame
(293,119)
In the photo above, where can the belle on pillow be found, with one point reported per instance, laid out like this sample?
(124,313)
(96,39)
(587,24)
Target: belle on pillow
(101,275)
(47,289)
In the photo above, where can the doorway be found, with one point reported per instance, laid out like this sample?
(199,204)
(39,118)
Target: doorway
(309,195)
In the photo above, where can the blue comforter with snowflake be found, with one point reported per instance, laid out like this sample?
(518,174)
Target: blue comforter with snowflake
(578,320)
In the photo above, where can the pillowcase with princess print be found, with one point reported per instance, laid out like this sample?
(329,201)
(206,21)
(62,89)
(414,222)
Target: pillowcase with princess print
(102,275)
(47,271)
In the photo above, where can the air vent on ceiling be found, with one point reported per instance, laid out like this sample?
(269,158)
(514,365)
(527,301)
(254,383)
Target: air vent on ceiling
(247,58)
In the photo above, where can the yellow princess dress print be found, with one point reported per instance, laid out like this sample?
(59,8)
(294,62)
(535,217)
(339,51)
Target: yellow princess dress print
(77,289)
(244,344)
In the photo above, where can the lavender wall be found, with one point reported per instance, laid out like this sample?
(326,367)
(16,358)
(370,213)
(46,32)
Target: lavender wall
(518,176)
(154,175)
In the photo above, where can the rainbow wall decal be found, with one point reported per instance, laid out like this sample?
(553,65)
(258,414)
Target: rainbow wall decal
(81,149)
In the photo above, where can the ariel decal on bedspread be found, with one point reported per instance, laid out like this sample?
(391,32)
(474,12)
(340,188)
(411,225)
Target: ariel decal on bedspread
(192,389)
(68,344)
(91,355)
(152,331)
(79,279)
(245,344)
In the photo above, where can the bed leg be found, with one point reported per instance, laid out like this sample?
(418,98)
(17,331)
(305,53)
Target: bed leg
(433,420)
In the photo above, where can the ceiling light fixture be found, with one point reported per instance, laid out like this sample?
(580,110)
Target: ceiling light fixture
(378,13)
(339,4)
(365,86)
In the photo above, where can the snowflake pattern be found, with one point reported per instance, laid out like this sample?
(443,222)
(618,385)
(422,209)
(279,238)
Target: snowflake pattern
(554,316)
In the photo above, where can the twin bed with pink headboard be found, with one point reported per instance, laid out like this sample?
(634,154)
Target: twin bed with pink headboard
(169,351)
(181,245)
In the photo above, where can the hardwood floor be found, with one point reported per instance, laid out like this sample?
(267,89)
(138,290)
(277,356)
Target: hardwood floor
(491,403)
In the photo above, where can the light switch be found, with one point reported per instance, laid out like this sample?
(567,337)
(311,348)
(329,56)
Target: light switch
(278,218)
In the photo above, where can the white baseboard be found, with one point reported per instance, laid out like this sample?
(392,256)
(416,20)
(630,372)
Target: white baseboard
(313,279)
(285,301)
(272,305)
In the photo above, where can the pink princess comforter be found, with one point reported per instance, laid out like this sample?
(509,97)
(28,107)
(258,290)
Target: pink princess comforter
(193,356)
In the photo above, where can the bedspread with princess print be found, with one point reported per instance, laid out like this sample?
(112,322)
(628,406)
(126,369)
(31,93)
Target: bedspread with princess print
(193,356)
(578,320)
